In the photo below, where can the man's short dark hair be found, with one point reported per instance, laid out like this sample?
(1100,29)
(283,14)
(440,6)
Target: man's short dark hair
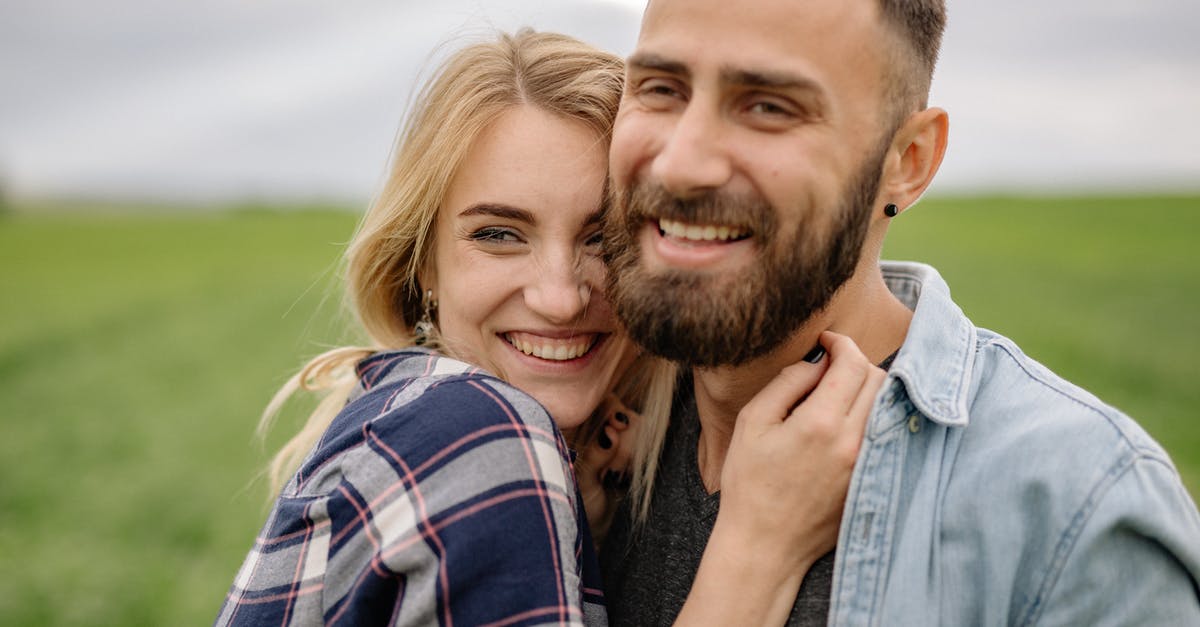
(918,26)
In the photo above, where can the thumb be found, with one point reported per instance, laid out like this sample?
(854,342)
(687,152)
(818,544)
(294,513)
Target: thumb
(775,401)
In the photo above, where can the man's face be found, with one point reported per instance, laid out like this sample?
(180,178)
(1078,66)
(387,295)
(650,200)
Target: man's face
(744,163)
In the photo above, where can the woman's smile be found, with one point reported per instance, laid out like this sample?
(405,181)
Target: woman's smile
(557,349)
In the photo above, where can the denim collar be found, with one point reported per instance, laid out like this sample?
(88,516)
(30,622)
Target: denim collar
(935,363)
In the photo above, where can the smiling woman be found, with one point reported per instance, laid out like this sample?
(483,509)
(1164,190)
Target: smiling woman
(517,269)
(424,489)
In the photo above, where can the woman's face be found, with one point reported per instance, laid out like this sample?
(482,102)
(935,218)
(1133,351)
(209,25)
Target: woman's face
(516,267)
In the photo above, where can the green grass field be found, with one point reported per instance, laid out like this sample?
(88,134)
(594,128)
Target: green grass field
(136,351)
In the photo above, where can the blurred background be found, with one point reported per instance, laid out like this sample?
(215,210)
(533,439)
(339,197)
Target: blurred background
(177,181)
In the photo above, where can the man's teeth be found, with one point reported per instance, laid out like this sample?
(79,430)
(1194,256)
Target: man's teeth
(555,351)
(699,232)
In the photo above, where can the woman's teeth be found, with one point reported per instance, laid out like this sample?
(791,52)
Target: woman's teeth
(699,232)
(553,350)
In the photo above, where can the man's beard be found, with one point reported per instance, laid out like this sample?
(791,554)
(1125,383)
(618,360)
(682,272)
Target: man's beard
(706,320)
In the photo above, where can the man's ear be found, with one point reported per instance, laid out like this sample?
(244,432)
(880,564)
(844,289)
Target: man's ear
(915,156)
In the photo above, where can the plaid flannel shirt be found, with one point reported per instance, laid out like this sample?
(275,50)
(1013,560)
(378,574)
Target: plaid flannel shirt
(439,495)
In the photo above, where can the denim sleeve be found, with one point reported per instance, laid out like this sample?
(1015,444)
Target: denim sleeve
(1133,556)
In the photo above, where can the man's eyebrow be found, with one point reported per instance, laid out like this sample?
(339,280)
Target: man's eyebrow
(773,80)
(498,210)
(651,61)
(730,75)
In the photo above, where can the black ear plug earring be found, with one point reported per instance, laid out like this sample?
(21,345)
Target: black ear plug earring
(890,210)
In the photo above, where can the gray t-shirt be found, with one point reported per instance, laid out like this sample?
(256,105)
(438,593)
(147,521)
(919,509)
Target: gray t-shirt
(647,577)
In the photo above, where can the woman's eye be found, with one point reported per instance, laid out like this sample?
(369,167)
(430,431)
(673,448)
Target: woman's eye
(596,239)
(495,234)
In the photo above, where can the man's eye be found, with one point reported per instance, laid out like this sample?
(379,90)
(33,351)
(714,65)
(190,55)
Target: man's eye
(657,89)
(769,108)
(495,234)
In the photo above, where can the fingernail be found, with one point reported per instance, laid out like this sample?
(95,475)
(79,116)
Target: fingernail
(815,354)
(622,418)
(605,443)
(610,480)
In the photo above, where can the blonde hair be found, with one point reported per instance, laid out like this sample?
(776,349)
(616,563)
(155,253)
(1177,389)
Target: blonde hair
(394,239)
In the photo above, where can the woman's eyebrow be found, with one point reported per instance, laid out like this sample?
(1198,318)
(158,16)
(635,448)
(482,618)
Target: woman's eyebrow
(498,210)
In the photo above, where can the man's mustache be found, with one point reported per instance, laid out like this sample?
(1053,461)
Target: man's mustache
(648,201)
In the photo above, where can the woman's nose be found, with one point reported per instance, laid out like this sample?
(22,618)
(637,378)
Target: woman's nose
(560,292)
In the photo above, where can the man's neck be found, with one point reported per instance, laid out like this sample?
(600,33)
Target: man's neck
(864,310)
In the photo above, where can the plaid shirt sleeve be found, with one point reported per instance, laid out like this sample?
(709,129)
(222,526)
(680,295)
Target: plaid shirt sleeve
(445,503)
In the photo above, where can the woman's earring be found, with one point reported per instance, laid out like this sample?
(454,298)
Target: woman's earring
(890,210)
(424,327)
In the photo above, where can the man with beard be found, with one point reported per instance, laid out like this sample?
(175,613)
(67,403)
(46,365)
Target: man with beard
(761,149)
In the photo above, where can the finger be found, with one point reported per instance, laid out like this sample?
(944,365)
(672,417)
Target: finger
(775,400)
(854,424)
(587,476)
(591,463)
(622,453)
(848,370)
(607,438)
(618,415)
(860,410)
(597,453)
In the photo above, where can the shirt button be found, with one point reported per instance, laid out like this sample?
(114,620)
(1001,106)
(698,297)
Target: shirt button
(914,423)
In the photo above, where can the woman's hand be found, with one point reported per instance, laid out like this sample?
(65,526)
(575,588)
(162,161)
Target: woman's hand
(786,475)
(602,466)
(785,479)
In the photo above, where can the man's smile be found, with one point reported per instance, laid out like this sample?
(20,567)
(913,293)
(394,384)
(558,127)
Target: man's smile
(701,232)
(670,244)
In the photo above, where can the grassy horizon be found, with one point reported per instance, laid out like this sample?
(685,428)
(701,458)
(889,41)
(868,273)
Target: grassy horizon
(1103,290)
(138,349)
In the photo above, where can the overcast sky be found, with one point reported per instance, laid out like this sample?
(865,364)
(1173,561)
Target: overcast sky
(284,100)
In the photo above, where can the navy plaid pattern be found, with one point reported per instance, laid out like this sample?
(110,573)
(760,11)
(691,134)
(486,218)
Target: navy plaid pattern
(439,495)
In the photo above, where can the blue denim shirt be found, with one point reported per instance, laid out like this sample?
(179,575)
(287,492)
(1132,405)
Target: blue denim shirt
(989,491)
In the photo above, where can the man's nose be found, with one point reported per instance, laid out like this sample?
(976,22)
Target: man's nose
(693,159)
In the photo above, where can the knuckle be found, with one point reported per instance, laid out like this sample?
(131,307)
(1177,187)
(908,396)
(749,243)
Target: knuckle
(842,341)
(793,375)
(847,348)
(819,422)
(846,453)
(859,366)
(875,378)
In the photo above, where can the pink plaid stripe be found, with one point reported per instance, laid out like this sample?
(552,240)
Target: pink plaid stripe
(471,419)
